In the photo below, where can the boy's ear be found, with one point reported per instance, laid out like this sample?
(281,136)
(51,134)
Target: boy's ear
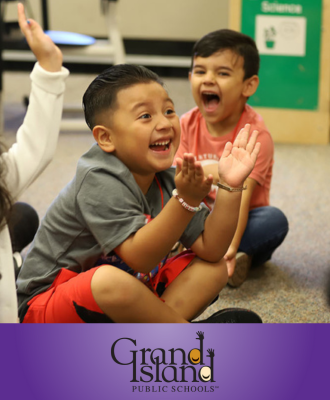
(189,75)
(103,137)
(250,86)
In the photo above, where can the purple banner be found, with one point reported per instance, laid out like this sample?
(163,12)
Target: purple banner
(133,361)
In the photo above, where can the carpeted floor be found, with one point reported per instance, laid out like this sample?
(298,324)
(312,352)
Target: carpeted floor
(288,289)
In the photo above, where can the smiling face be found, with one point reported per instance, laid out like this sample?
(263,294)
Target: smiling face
(205,374)
(219,89)
(195,356)
(143,130)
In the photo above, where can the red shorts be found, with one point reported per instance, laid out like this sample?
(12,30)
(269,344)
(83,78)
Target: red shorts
(70,298)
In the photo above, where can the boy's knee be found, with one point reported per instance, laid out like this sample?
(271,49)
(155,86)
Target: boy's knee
(111,286)
(272,220)
(219,273)
(278,216)
(281,221)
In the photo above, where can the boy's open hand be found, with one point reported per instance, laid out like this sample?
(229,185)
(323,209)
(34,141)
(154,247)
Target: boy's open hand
(47,53)
(190,181)
(238,159)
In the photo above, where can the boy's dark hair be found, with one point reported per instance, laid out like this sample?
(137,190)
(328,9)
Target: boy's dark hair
(237,42)
(101,94)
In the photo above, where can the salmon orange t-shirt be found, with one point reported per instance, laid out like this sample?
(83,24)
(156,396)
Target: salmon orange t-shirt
(196,139)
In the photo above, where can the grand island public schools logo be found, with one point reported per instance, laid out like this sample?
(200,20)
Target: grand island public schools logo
(161,366)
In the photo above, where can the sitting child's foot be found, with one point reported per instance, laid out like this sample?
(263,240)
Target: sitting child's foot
(243,264)
(232,316)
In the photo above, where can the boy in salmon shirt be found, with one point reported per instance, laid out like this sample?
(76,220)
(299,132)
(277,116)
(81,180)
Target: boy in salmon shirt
(224,74)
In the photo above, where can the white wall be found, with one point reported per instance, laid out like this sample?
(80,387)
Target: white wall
(137,19)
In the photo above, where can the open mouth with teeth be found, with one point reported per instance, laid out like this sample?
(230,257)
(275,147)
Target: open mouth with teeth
(210,101)
(160,146)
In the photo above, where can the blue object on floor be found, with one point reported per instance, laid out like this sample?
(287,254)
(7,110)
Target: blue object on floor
(70,38)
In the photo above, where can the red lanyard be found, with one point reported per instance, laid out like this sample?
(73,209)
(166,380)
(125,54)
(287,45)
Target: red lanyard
(148,277)
(161,191)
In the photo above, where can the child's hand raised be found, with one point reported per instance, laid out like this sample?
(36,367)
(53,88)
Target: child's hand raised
(47,53)
(238,159)
(190,181)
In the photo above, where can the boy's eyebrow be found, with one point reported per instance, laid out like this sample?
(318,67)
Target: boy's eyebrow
(198,66)
(170,100)
(138,105)
(147,103)
(221,67)
(227,68)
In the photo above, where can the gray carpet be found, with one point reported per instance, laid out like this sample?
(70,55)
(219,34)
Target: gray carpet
(288,289)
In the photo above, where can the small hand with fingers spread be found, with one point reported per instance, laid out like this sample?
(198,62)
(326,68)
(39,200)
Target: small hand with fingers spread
(190,181)
(238,159)
(47,53)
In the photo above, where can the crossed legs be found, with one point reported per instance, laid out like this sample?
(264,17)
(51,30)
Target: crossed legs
(123,298)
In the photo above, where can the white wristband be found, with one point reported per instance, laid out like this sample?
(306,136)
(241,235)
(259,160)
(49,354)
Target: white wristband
(184,204)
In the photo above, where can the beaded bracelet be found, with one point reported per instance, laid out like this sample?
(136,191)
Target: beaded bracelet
(230,189)
(184,204)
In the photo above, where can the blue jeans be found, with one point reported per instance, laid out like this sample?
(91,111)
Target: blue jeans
(265,231)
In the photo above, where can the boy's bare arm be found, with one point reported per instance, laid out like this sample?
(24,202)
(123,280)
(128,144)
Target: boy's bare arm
(143,250)
(150,244)
(47,53)
(235,166)
(230,255)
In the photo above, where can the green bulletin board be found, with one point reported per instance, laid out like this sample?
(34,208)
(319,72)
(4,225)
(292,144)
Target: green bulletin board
(288,37)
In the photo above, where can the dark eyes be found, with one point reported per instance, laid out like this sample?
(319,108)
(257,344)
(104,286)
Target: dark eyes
(148,116)
(201,72)
(145,116)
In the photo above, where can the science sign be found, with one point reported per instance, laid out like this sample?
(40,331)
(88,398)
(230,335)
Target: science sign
(288,36)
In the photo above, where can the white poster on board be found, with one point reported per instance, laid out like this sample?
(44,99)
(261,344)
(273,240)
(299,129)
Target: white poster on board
(279,35)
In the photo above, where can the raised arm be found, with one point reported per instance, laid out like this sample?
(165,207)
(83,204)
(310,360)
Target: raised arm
(234,167)
(47,53)
(230,255)
(37,136)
